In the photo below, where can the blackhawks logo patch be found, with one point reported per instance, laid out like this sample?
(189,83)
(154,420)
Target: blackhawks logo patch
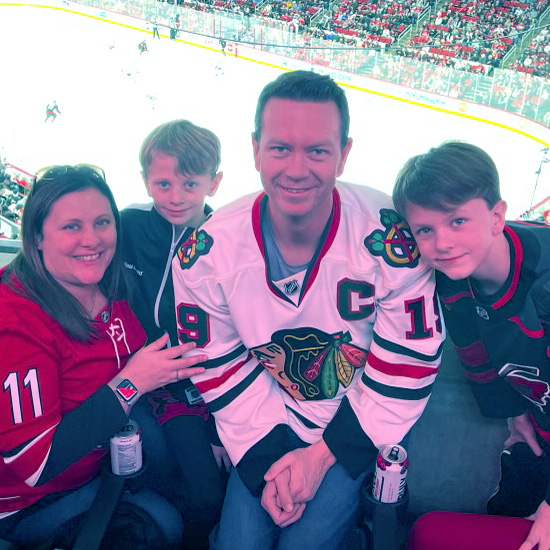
(395,243)
(197,245)
(309,363)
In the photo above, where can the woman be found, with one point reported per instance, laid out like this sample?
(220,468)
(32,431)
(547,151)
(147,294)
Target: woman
(72,358)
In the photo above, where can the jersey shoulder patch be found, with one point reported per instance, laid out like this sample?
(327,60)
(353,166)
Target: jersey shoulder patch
(395,243)
(197,245)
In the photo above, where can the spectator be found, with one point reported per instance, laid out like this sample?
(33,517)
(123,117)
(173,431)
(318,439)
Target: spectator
(494,281)
(280,296)
(180,164)
(71,358)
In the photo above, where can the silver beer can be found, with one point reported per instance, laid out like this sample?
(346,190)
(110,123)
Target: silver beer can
(390,477)
(126,450)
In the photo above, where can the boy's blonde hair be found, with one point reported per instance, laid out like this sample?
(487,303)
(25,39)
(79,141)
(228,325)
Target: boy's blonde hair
(197,149)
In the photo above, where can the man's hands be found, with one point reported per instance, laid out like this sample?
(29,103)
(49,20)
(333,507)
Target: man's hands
(294,480)
(282,510)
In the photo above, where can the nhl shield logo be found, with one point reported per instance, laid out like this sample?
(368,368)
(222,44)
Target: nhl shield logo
(197,245)
(395,244)
(482,312)
(291,287)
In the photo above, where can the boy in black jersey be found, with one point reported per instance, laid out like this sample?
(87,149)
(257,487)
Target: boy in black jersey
(180,168)
(493,279)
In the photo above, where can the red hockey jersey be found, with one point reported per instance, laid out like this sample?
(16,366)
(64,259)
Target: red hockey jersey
(45,375)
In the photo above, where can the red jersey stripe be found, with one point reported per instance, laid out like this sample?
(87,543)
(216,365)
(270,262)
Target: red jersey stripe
(517,269)
(394,369)
(524,329)
(214,383)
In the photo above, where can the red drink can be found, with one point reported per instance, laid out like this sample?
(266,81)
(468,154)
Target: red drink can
(390,477)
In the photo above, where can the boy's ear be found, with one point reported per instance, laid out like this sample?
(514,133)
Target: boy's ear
(499,216)
(215,184)
(144,178)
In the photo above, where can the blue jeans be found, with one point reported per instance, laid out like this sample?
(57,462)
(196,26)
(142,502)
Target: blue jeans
(44,523)
(326,520)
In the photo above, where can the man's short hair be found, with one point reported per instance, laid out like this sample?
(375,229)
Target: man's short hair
(447,176)
(197,150)
(307,87)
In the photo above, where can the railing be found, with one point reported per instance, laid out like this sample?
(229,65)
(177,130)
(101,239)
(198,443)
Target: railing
(8,250)
(8,229)
(513,91)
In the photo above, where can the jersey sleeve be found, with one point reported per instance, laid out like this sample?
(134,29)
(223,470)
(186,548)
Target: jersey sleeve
(36,442)
(495,397)
(402,365)
(234,386)
(30,402)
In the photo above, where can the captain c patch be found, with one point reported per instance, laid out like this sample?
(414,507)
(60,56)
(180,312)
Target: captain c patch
(395,243)
(197,245)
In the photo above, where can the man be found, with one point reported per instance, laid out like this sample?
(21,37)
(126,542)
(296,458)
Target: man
(52,110)
(142,47)
(289,292)
(155,28)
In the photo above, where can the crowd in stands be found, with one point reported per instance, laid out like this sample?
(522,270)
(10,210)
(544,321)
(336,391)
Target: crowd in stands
(470,35)
(535,59)
(13,192)
(473,34)
(372,23)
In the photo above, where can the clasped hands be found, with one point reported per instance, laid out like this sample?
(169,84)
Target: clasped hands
(293,481)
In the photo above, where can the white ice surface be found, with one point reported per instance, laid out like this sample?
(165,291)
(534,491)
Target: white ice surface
(106,110)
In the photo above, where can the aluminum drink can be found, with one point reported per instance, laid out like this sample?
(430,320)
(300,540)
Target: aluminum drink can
(126,452)
(390,477)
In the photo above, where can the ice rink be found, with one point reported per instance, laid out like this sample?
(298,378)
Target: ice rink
(111,97)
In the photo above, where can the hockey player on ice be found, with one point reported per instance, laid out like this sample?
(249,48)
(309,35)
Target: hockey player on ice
(142,47)
(52,110)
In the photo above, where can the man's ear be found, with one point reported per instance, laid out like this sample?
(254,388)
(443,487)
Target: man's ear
(256,148)
(215,184)
(343,157)
(499,216)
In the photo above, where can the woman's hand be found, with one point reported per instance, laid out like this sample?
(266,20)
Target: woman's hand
(152,366)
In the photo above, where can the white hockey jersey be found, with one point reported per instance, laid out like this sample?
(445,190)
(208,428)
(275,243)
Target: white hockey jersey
(347,350)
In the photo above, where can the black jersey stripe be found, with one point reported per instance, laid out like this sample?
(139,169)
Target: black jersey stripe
(305,421)
(233,393)
(222,360)
(402,350)
(407,394)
